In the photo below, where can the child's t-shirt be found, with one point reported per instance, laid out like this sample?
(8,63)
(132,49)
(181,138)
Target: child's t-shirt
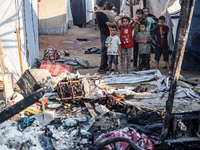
(137,27)
(161,41)
(113,45)
(126,36)
(110,14)
(143,48)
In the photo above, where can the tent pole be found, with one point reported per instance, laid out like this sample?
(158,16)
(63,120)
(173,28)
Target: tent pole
(131,8)
(181,44)
(145,3)
(19,50)
(2,71)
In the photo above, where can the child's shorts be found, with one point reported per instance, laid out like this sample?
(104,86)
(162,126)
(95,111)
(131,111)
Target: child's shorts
(113,58)
(162,50)
(95,20)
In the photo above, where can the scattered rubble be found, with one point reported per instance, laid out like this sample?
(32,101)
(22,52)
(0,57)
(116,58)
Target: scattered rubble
(83,112)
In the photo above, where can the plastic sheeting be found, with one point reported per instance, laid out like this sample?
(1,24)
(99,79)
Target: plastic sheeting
(125,9)
(134,77)
(69,17)
(24,16)
(191,60)
(174,8)
(79,12)
(162,83)
(174,11)
(186,99)
(88,7)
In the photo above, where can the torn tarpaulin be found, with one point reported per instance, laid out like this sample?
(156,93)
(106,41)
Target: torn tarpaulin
(185,92)
(75,61)
(134,77)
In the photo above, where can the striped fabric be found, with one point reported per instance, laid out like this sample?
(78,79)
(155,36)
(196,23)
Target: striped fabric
(56,68)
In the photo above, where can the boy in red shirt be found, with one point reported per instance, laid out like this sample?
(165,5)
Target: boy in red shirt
(161,33)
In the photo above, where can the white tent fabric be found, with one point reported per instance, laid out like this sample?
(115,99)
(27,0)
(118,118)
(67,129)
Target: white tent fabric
(69,17)
(125,9)
(174,10)
(89,6)
(55,17)
(24,16)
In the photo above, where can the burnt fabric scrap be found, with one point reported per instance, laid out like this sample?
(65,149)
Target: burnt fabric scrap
(142,116)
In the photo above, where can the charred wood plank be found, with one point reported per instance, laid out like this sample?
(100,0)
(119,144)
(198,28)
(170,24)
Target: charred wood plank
(28,84)
(184,28)
(180,140)
(21,105)
(90,109)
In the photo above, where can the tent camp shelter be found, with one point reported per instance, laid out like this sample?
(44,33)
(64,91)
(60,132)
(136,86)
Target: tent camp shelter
(22,15)
(79,11)
(55,17)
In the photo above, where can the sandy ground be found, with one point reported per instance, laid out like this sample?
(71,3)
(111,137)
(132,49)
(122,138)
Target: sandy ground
(69,43)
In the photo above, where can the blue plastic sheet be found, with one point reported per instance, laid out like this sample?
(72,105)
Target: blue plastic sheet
(191,60)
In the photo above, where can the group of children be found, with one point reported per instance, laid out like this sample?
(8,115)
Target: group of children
(140,41)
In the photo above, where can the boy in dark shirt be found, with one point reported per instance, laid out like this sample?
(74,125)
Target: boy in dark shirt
(161,33)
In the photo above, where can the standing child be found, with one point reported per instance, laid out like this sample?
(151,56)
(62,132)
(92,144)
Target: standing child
(140,15)
(127,42)
(143,39)
(113,44)
(161,33)
(95,20)
(150,20)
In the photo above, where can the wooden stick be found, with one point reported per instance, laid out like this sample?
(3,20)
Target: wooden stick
(2,71)
(69,82)
(19,50)
(77,97)
(181,44)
